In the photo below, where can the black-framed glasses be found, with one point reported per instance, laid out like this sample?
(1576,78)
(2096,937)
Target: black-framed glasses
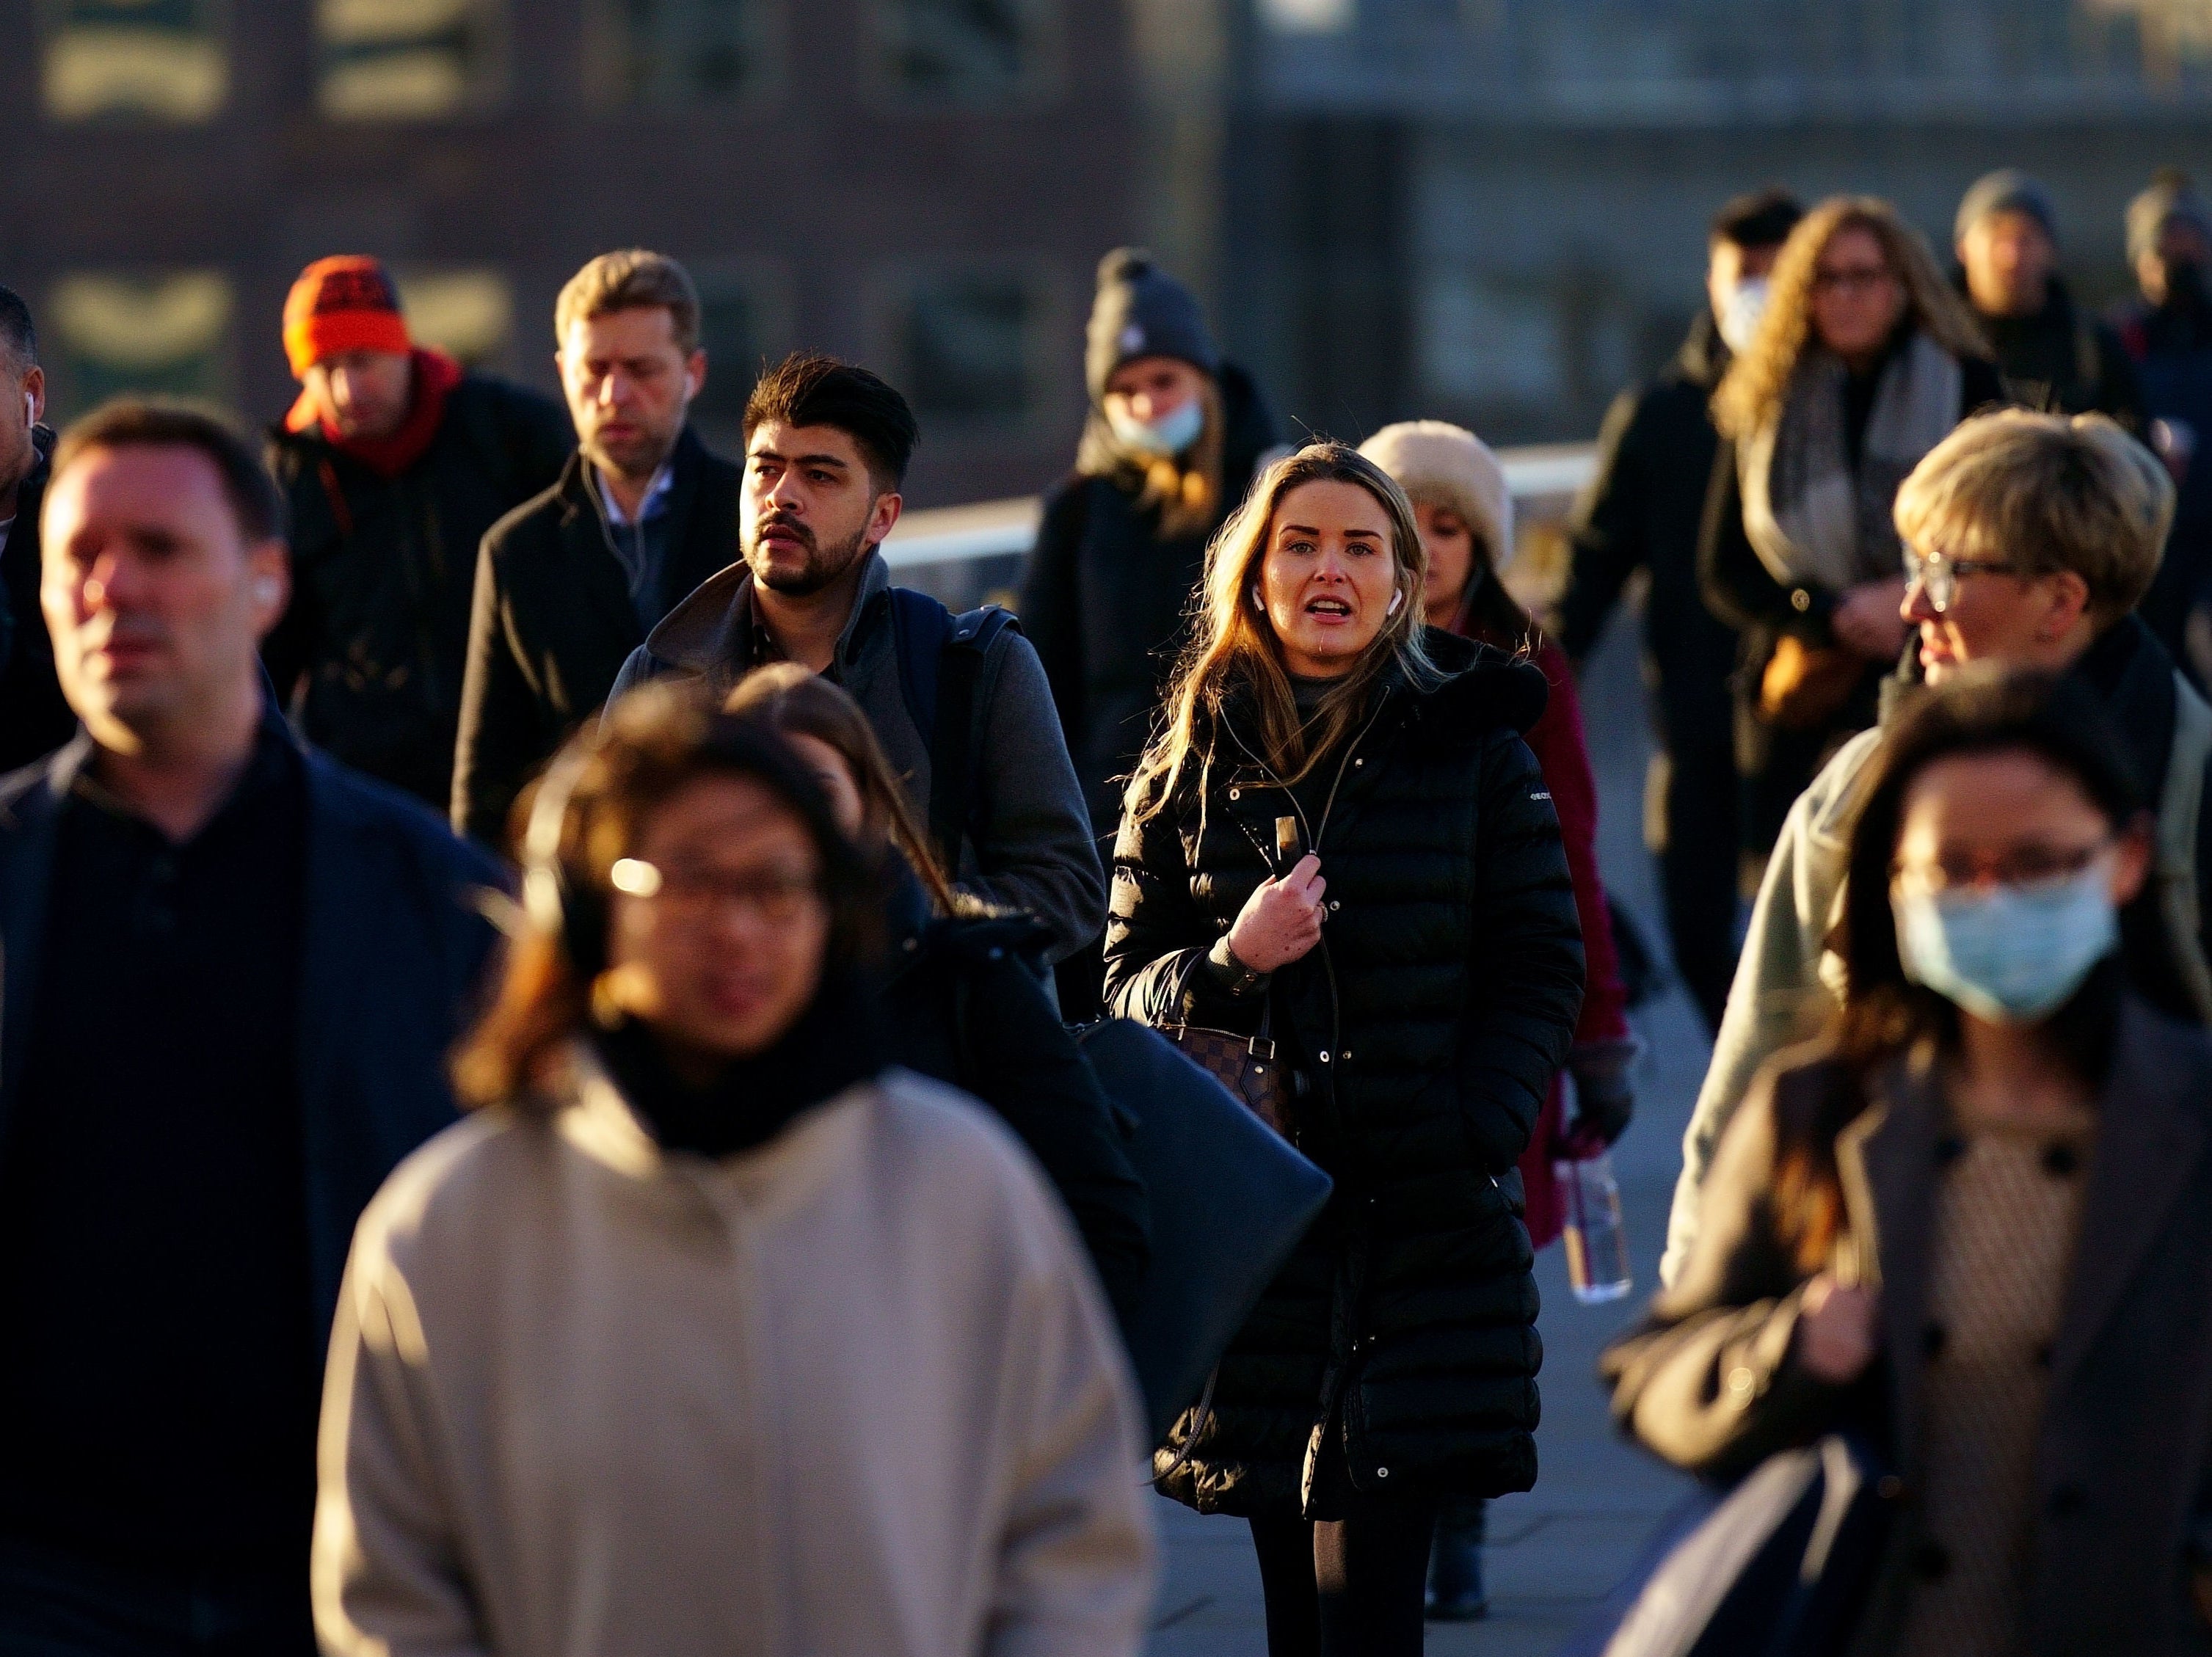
(1938,573)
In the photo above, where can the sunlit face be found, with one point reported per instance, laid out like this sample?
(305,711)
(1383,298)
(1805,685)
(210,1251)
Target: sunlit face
(363,394)
(1148,389)
(808,508)
(630,388)
(724,956)
(2009,818)
(1857,299)
(1327,577)
(2027,621)
(2008,257)
(156,601)
(1448,540)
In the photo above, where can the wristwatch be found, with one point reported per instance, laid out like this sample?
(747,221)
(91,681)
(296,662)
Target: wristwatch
(1236,978)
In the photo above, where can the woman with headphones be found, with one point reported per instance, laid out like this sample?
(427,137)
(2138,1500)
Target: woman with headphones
(704,1332)
(1339,851)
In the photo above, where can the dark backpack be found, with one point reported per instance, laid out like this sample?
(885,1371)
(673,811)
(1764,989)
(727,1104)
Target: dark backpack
(941,658)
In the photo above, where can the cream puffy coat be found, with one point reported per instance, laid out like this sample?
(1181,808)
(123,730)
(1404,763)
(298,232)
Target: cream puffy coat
(854,1392)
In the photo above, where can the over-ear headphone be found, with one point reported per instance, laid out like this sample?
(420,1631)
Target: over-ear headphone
(563,909)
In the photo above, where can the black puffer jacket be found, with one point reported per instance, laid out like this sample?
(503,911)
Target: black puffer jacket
(964,1003)
(1105,599)
(1425,1030)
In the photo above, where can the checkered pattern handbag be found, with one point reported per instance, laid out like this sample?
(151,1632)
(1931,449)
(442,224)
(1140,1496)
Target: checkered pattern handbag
(1245,1064)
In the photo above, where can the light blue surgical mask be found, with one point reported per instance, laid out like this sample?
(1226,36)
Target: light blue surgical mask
(1171,434)
(1742,311)
(2009,954)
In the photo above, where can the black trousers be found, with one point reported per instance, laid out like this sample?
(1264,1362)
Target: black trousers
(1699,864)
(1347,1587)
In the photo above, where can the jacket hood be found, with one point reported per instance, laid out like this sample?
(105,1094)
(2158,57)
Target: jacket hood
(709,631)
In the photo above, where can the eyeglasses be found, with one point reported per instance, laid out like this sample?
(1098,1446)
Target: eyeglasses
(1938,573)
(2018,865)
(1852,279)
(691,892)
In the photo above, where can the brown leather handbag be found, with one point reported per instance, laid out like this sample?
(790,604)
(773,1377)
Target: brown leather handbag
(1245,1064)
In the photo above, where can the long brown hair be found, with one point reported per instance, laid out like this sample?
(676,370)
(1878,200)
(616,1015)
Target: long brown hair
(1233,645)
(614,775)
(2052,719)
(785,696)
(1751,394)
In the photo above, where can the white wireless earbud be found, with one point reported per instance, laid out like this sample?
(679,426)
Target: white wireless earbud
(30,409)
(1396,599)
(264,589)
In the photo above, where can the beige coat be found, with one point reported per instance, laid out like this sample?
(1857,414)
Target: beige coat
(855,1391)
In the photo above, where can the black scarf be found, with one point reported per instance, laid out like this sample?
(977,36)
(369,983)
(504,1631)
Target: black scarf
(833,1044)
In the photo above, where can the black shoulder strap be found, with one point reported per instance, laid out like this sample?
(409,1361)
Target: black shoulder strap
(955,735)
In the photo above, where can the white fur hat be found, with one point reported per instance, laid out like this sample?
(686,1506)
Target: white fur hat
(1434,460)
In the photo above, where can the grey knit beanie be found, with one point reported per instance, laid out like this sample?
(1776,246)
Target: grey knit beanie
(2008,190)
(2171,197)
(1141,311)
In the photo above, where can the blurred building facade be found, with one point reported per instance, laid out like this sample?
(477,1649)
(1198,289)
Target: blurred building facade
(1494,209)
(923,184)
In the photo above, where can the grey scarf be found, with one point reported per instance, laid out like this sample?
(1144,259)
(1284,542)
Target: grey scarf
(1810,519)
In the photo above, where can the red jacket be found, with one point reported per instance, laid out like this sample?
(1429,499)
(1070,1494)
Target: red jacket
(1557,741)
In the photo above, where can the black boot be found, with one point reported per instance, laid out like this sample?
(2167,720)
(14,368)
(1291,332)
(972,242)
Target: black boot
(1455,1594)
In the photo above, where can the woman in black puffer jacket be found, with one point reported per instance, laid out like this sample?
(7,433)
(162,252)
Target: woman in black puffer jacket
(1420,968)
(962,997)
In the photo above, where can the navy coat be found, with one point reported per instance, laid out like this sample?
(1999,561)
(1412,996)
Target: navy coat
(394,950)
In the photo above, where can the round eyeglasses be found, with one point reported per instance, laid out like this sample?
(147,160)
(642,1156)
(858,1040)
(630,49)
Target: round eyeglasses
(1937,575)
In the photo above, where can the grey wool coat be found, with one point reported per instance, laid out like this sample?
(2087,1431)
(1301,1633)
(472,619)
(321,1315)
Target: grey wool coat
(2122,1517)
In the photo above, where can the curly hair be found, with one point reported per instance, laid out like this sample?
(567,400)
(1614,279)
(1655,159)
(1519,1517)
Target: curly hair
(1751,393)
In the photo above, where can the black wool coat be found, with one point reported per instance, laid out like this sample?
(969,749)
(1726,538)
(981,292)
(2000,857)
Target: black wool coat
(552,622)
(1423,1031)
(1105,599)
(377,635)
(35,717)
(964,1001)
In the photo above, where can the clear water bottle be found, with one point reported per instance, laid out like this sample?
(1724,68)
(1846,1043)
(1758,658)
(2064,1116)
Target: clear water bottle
(1597,1242)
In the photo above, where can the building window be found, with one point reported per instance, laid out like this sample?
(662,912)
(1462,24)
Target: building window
(468,314)
(678,52)
(408,60)
(167,333)
(965,52)
(156,60)
(745,322)
(968,346)
(1310,17)
(1483,345)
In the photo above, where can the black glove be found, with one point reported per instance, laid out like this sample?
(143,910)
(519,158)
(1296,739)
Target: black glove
(1605,1098)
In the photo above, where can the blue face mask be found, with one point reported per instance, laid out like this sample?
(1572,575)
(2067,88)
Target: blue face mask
(2010,953)
(1171,434)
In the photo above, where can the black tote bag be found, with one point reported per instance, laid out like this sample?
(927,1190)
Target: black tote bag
(1229,1199)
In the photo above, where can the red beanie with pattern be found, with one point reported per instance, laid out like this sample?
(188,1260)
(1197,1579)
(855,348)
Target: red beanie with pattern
(346,303)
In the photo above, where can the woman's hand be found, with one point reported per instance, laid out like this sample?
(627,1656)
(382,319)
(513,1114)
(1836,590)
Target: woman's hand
(1868,619)
(1836,1336)
(1280,922)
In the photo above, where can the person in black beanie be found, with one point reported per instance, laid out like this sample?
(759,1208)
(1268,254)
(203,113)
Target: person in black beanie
(1175,436)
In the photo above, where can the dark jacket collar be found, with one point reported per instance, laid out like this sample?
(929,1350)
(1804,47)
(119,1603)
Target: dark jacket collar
(710,632)
(1705,356)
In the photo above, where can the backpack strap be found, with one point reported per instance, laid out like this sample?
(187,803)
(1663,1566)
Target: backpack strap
(957,734)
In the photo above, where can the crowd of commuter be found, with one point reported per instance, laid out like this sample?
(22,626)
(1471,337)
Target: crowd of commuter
(548,1096)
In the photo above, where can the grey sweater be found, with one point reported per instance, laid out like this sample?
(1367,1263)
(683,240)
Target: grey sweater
(1033,849)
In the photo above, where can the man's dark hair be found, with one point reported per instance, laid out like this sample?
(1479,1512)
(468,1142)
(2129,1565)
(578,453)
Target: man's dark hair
(17,333)
(146,422)
(1764,218)
(808,389)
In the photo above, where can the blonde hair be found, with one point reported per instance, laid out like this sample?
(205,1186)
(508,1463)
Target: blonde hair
(788,698)
(2044,493)
(631,280)
(1751,393)
(1233,643)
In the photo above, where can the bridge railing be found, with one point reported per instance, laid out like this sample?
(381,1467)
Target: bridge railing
(969,554)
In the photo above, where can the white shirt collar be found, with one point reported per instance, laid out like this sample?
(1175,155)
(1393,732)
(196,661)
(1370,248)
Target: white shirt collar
(654,503)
